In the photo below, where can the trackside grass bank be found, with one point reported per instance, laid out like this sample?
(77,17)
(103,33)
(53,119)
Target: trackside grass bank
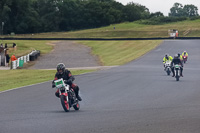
(17,78)
(25,46)
(127,30)
(110,53)
(113,53)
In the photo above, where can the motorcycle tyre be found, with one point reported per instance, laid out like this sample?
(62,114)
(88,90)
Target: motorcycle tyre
(65,105)
(168,72)
(177,77)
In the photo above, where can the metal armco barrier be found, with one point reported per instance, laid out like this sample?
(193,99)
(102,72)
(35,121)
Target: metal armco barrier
(14,64)
(99,39)
(25,60)
(30,57)
(18,62)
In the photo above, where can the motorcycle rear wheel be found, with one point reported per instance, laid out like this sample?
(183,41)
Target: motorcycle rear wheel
(168,72)
(64,103)
(177,76)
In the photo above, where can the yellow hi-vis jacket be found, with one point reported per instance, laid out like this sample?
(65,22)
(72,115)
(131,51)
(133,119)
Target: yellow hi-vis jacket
(169,58)
(181,57)
(185,54)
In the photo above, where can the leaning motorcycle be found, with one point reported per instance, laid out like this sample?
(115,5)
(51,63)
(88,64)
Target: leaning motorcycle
(67,95)
(184,58)
(168,67)
(177,71)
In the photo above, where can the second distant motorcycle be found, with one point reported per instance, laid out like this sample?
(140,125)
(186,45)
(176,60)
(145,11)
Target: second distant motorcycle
(168,67)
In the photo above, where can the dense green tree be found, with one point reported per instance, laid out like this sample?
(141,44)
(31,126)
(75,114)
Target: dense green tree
(178,10)
(4,14)
(133,11)
(156,14)
(48,14)
(190,11)
(31,16)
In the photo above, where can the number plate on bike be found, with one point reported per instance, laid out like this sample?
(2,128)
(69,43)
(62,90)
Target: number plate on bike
(59,83)
(177,66)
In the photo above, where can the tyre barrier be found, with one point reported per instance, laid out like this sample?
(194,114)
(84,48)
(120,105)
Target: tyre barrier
(34,55)
(21,60)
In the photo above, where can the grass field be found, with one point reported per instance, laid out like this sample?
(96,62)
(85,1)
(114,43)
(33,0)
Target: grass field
(18,78)
(109,52)
(25,46)
(128,30)
(120,52)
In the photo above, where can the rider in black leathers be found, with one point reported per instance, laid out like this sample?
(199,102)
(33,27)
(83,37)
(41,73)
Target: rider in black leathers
(175,61)
(68,78)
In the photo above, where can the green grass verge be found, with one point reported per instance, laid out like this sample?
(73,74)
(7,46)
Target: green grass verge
(109,52)
(120,52)
(25,46)
(18,78)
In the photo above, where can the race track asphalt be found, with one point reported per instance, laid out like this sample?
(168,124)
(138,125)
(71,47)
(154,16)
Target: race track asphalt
(137,97)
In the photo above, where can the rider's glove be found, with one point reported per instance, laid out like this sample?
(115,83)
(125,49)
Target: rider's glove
(68,81)
(53,84)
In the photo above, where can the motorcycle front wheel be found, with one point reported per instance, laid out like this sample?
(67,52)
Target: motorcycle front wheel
(65,103)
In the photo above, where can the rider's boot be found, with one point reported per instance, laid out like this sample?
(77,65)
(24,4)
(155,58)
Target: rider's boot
(181,74)
(57,93)
(76,90)
(79,98)
(173,74)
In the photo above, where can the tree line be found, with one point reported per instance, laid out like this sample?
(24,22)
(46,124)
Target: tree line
(178,10)
(35,16)
(177,13)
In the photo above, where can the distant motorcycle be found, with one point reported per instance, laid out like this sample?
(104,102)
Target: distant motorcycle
(168,67)
(67,95)
(177,70)
(184,58)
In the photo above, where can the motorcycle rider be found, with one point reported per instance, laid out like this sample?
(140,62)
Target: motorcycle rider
(185,54)
(166,58)
(68,79)
(175,61)
(180,57)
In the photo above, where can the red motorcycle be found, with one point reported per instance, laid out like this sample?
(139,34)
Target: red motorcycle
(184,58)
(67,95)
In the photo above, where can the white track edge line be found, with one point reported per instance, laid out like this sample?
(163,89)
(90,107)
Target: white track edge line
(23,87)
(34,84)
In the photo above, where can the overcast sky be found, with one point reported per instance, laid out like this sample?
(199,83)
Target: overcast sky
(162,5)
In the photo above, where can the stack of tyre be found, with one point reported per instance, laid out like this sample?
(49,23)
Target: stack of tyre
(34,55)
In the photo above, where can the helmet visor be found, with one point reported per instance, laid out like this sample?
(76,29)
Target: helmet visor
(60,71)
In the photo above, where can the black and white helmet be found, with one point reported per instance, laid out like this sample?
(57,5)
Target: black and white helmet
(176,56)
(60,66)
